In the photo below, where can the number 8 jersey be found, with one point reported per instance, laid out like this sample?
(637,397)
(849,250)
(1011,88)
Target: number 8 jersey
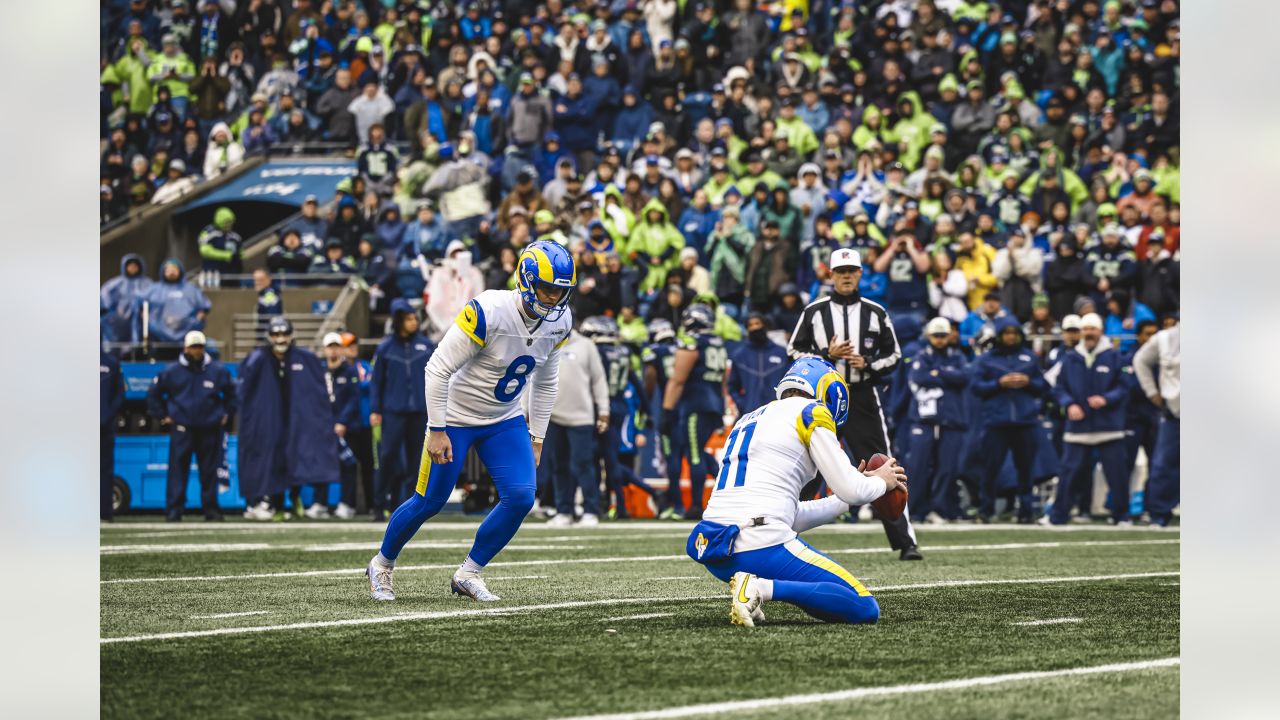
(487,358)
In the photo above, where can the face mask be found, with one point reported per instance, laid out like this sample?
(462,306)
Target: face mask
(281,346)
(758,336)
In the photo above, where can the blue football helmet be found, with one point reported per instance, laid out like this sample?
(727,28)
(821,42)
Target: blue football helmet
(698,319)
(817,378)
(549,264)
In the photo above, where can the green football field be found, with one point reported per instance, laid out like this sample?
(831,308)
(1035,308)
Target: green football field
(274,621)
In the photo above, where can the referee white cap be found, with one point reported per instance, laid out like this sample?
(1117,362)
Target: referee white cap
(845,257)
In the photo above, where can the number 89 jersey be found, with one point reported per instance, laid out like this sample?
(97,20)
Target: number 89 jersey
(487,388)
(703,391)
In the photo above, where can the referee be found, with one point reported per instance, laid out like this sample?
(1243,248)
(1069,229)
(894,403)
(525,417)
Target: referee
(856,336)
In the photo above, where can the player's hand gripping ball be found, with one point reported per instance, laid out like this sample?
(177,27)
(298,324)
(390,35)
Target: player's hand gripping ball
(892,504)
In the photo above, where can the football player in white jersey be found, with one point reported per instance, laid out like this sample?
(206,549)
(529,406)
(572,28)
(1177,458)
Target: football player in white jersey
(501,342)
(748,534)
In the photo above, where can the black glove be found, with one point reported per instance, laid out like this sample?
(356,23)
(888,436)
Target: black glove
(667,423)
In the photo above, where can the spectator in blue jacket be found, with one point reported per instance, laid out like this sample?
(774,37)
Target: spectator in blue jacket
(359,436)
(755,366)
(574,115)
(1110,264)
(696,223)
(110,400)
(1009,383)
(991,310)
(1124,315)
(194,398)
(631,122)
(398,404)
(120,296)
(175,306)
(312,229)
(390,229)
(1092,387)
(427,235)
(937,380)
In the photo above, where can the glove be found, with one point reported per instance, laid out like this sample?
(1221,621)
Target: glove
(667,423)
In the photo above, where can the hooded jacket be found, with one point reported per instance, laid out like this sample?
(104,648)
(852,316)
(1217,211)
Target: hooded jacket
(390,233)
(726,254)
(754,370)
(399,370)
(119,299)
(220,249)
(661,240)
(575,120)
(195,397)
(1008,406)
(220,158)
(286,423)
(173,307)
(1084,374)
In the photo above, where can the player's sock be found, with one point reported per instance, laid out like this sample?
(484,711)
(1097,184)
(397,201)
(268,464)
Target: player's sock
(832,602)
(764,587)
(383,560)
(470,566)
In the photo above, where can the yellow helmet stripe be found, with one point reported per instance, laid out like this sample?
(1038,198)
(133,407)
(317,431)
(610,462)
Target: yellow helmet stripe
(545,273)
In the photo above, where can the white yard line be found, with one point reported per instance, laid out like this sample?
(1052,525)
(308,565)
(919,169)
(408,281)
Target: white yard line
(328,547)
(680,577)
(592,561)
(642,616)
(790,701)
(1054,621)
(606,529)
(516,577)
(443,614)
(219,616)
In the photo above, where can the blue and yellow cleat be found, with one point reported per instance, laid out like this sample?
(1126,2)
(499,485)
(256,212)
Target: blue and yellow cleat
(471,585)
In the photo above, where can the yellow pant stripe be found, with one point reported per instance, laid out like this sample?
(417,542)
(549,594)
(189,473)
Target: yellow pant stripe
(424,470)
(832,567)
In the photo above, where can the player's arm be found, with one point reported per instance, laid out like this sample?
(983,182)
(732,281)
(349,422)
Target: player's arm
(546,382)
(456,349)
(843,478)
(685,359)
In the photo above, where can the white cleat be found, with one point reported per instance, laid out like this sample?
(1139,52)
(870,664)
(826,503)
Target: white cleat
(344,511)
(471,585)
(261,511)
(589,520)
(560,520)
(745,609)
(934,518)
(317,512)
(380,581)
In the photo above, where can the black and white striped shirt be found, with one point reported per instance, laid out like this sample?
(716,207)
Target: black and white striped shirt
(835,318)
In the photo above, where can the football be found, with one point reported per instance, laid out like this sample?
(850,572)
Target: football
(891,505)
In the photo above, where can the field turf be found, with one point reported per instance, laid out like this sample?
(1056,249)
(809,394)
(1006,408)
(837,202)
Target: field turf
(274,621)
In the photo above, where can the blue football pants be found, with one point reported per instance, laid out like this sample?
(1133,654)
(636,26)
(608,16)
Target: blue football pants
(806,578)
(506,451)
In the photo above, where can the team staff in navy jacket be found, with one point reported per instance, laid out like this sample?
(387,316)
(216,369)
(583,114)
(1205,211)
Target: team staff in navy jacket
(110,400)
(1093,389)
(1142,419)
(194,397)
(937,379)
(1010,384)
(344,398)
(755,366)
(398,404)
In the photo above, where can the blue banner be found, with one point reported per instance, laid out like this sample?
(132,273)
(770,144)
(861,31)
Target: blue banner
(284,183)
(139,375)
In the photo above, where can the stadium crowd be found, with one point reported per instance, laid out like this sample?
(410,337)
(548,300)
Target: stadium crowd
(1007,173)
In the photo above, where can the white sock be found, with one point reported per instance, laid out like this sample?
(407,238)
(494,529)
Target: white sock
(380,559)
(764,588)
(470,567)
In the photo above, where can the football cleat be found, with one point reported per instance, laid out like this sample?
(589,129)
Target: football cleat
(317,512)
(745,609)
(471,585)
(560,520)
(589,520)
(380,581)
(261,511)
(344,511)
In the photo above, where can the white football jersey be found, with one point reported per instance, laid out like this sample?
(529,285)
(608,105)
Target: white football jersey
(488,355)
(768,458)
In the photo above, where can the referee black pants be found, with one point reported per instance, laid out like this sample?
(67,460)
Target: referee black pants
(865,434)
